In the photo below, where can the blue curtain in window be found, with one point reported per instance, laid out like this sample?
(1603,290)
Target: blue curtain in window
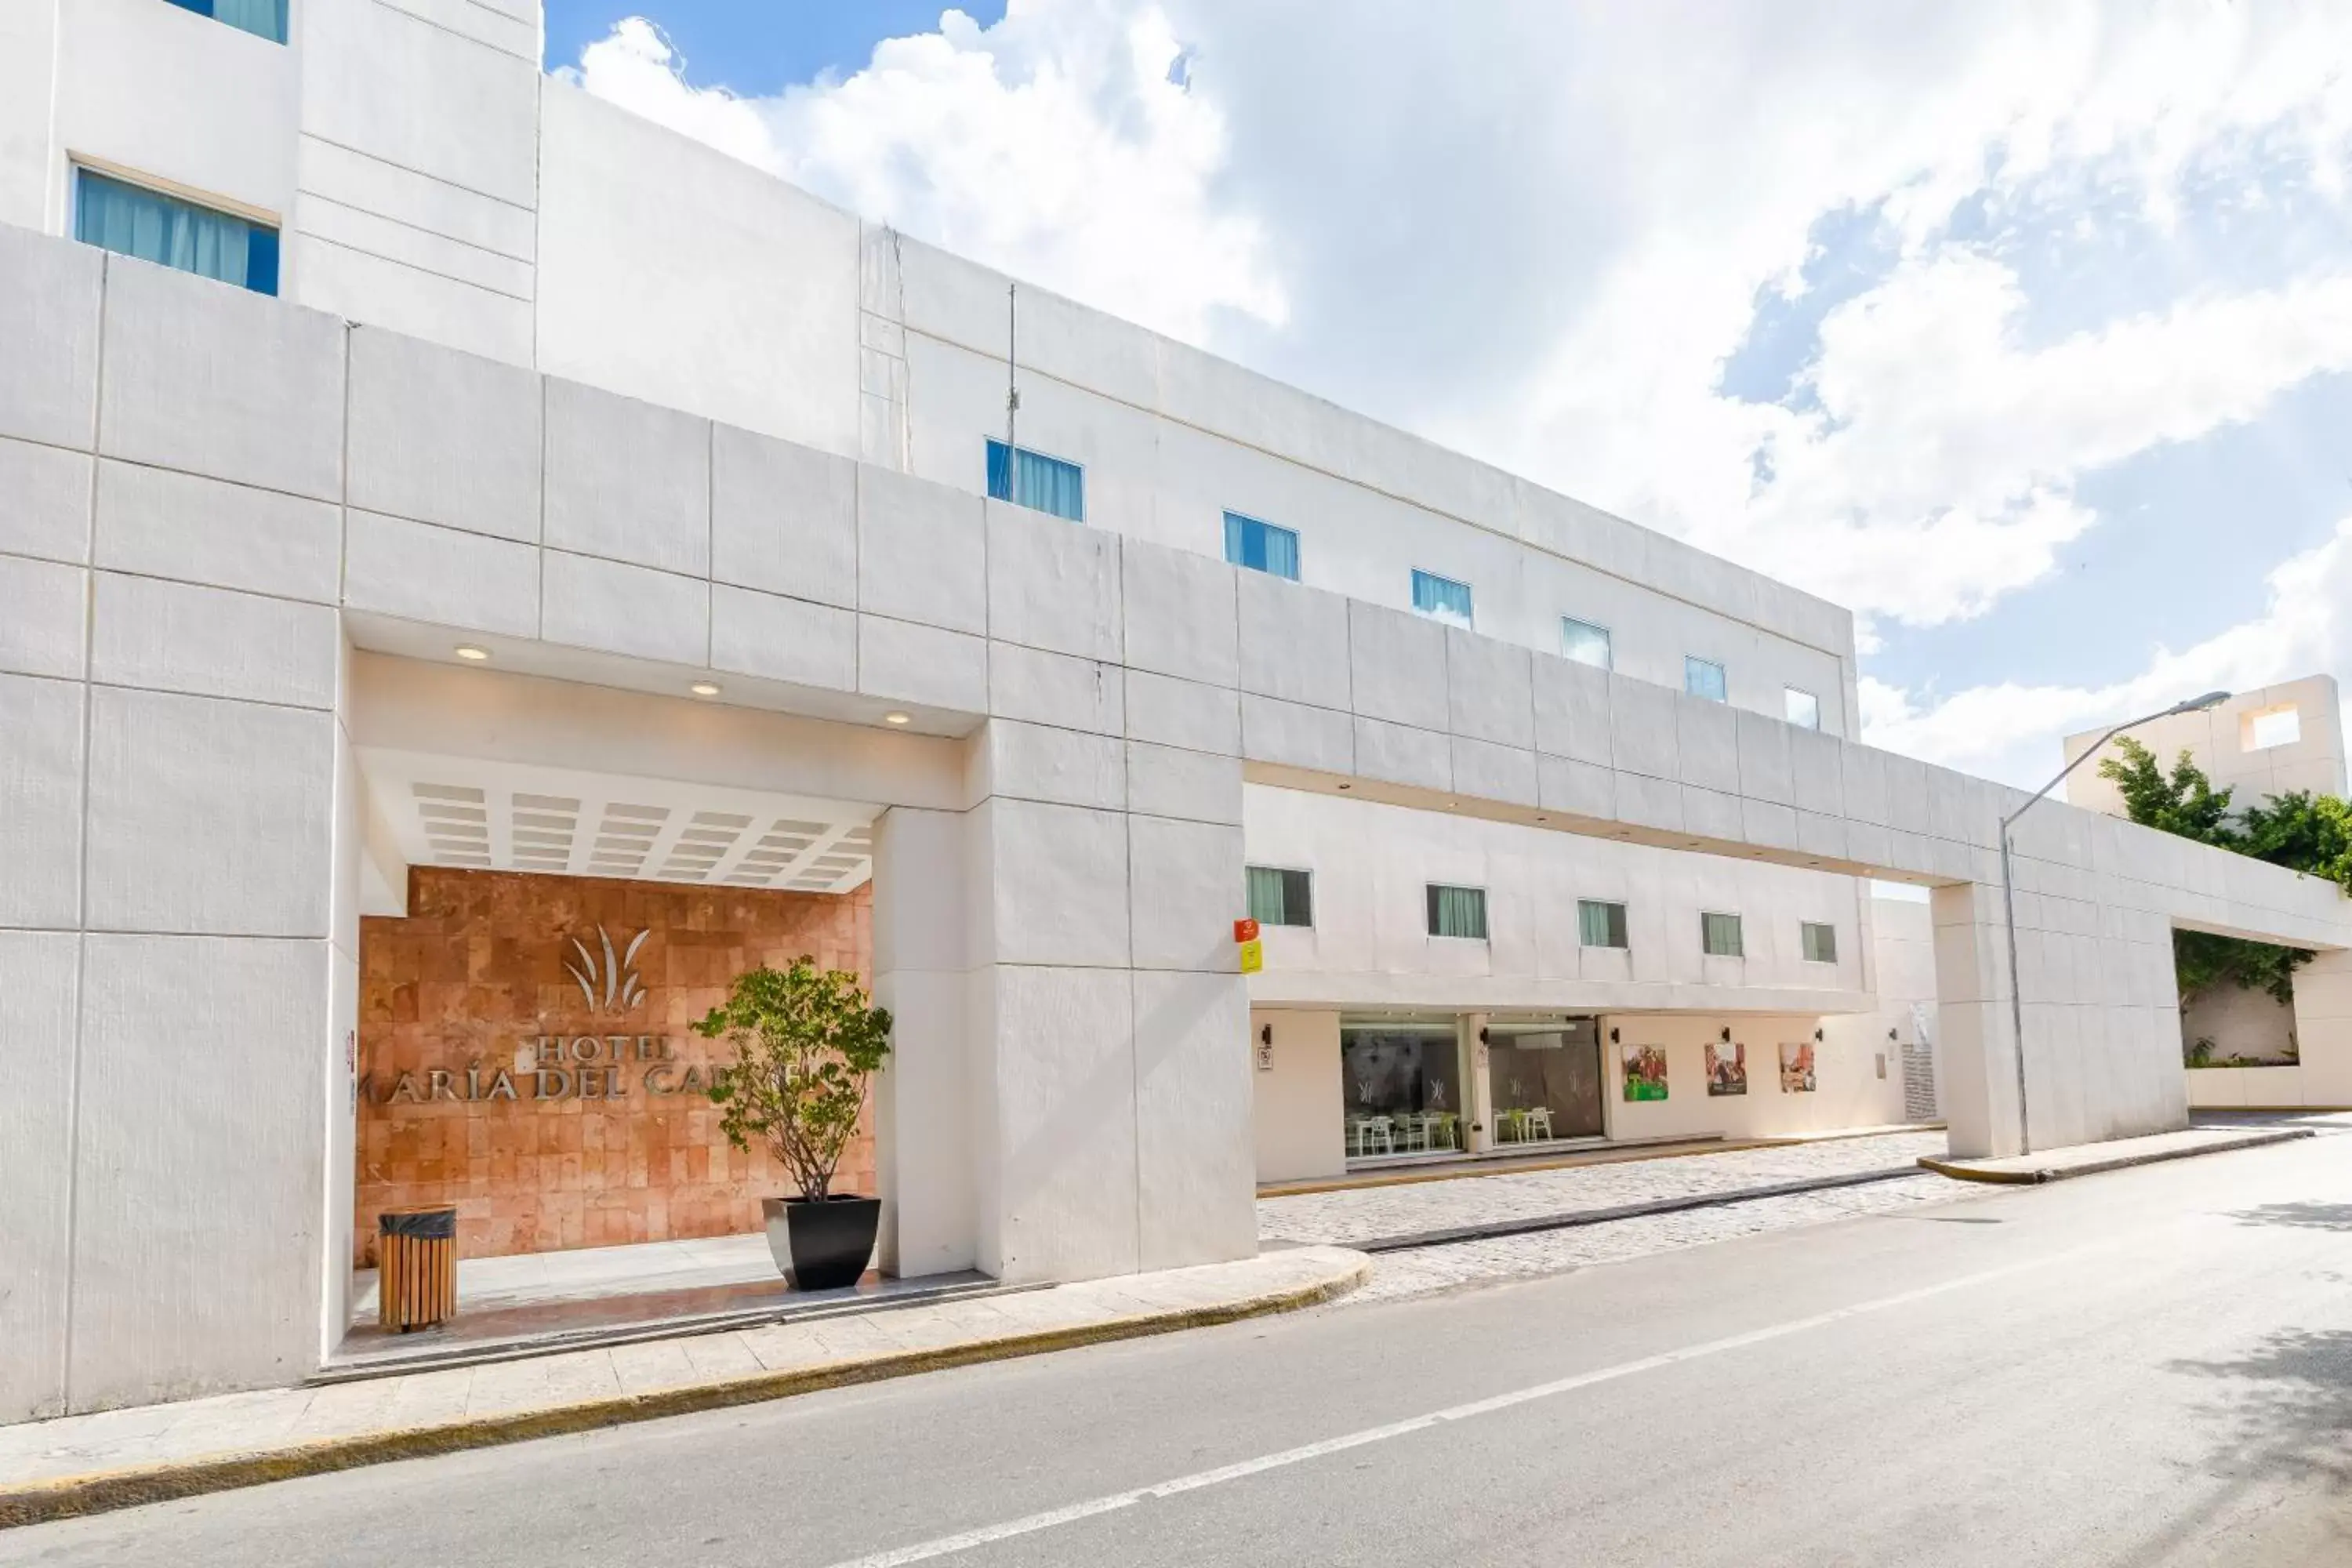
(1442,598)
(266,18)
(263,18)
(1048,484)
(1260,546)
(160,228)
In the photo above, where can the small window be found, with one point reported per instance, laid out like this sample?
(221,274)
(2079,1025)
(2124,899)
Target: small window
(1801,709)
(1821,943)
(1584,642)
(1704,678)
(131,221)
(1441,599)
(1719,935)
(1260,546)
(262,18)
(1280,898)
(1457,912)
(1600,924)
(1047,484)
(2268,727)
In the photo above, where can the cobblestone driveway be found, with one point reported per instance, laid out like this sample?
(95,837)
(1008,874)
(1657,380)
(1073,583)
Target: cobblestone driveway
(1355,1216)
(1427,1270)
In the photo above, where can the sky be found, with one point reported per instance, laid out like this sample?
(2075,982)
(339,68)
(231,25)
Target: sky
(2022,330)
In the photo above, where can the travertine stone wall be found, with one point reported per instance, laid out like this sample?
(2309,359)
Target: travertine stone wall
(616,1141)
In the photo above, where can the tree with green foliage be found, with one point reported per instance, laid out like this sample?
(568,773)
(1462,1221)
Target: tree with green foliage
(807,1044)
(2302,832)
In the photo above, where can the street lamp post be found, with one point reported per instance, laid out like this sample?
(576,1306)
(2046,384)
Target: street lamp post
(2009,885)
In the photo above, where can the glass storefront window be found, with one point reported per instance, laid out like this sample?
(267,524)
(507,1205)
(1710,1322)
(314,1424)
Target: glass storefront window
(1401,1085)
(1544,1080)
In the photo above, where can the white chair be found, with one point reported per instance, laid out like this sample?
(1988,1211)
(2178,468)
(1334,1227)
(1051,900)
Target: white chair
(1376,1131)
(1540,1121)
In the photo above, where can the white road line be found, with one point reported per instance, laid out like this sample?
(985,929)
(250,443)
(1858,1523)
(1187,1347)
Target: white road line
(964,1540)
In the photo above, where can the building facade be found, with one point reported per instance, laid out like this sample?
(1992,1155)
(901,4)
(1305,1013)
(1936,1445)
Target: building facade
(2240,1043)
(418,478)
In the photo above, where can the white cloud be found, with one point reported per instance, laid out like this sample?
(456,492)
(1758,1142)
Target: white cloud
(1536,234)
(2012,732)
(1053,145)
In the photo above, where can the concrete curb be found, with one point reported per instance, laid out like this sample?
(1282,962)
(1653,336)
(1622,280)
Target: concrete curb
(68,1496)
(1573,1218)
(1969,1171)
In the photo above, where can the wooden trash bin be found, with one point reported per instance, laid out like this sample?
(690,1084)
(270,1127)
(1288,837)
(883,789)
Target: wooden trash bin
(417,1274)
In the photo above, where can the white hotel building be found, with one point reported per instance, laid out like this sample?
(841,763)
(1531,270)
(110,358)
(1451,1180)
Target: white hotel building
(523,489)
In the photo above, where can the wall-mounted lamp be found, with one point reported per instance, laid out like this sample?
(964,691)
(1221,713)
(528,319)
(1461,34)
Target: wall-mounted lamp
(1890,1034)
(1817,1036)
(1266,1035)
(1726,1034)
(1613,1036)
(1483,1035)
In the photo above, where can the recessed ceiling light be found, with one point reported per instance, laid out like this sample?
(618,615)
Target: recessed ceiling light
(704,689)
(468,652)
(1346,786)
(896,718)
(1543,819)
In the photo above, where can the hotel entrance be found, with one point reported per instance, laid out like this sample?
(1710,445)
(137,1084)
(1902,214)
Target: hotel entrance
(537,941)
(1544,1080)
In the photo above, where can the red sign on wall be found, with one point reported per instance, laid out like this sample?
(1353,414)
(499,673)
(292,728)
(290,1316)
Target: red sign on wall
(1245,929)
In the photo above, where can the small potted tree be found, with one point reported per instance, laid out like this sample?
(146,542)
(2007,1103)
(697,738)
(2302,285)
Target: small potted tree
(807,1044)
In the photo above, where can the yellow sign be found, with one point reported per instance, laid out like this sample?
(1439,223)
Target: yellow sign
(1253,957)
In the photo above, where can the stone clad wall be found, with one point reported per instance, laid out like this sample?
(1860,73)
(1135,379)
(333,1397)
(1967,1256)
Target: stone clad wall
(475,979)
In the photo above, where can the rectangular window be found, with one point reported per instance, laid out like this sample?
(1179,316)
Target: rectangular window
(262,18)
(1821,943)
(1441,599)
(1719,935)
(1704,678)
(1801,709)
(1584,642)
(1280,898)
(1260,546)
(1600,924)
(2268,727)
(1457,912)
(131,221)
(1035,480)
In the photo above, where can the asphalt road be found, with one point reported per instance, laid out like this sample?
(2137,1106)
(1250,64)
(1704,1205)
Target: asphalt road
(2148,1367)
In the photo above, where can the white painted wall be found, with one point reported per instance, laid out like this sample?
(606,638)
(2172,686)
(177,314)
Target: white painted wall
(1297,1107)
(2219,741)
(671,272)
(1370,946)
(178,96)
(28,58)
(1848,1093)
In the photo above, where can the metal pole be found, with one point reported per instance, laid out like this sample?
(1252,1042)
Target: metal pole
(2016,991)
(1011,390)
(2009,885)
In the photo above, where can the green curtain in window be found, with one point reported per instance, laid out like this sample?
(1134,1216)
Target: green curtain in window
(1266,902)
(1457,912)
(1600,924)
(1720,935)
(132,222)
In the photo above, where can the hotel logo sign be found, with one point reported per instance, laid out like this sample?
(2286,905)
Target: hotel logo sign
(611,987)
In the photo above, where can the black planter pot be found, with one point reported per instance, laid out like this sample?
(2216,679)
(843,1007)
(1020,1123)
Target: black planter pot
(822,1246)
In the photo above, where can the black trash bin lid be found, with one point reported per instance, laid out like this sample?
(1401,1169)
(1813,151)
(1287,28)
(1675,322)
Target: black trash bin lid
(420,1224)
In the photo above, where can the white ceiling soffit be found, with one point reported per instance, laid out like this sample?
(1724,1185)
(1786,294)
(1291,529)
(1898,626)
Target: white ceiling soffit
(508,816)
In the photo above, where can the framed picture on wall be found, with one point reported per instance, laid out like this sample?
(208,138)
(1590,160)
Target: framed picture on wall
(1727,1068)
(1797,1068)
(1645,1071)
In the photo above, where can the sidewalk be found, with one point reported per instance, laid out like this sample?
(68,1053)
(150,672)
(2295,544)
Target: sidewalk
(2088,1159)
(115,1458)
